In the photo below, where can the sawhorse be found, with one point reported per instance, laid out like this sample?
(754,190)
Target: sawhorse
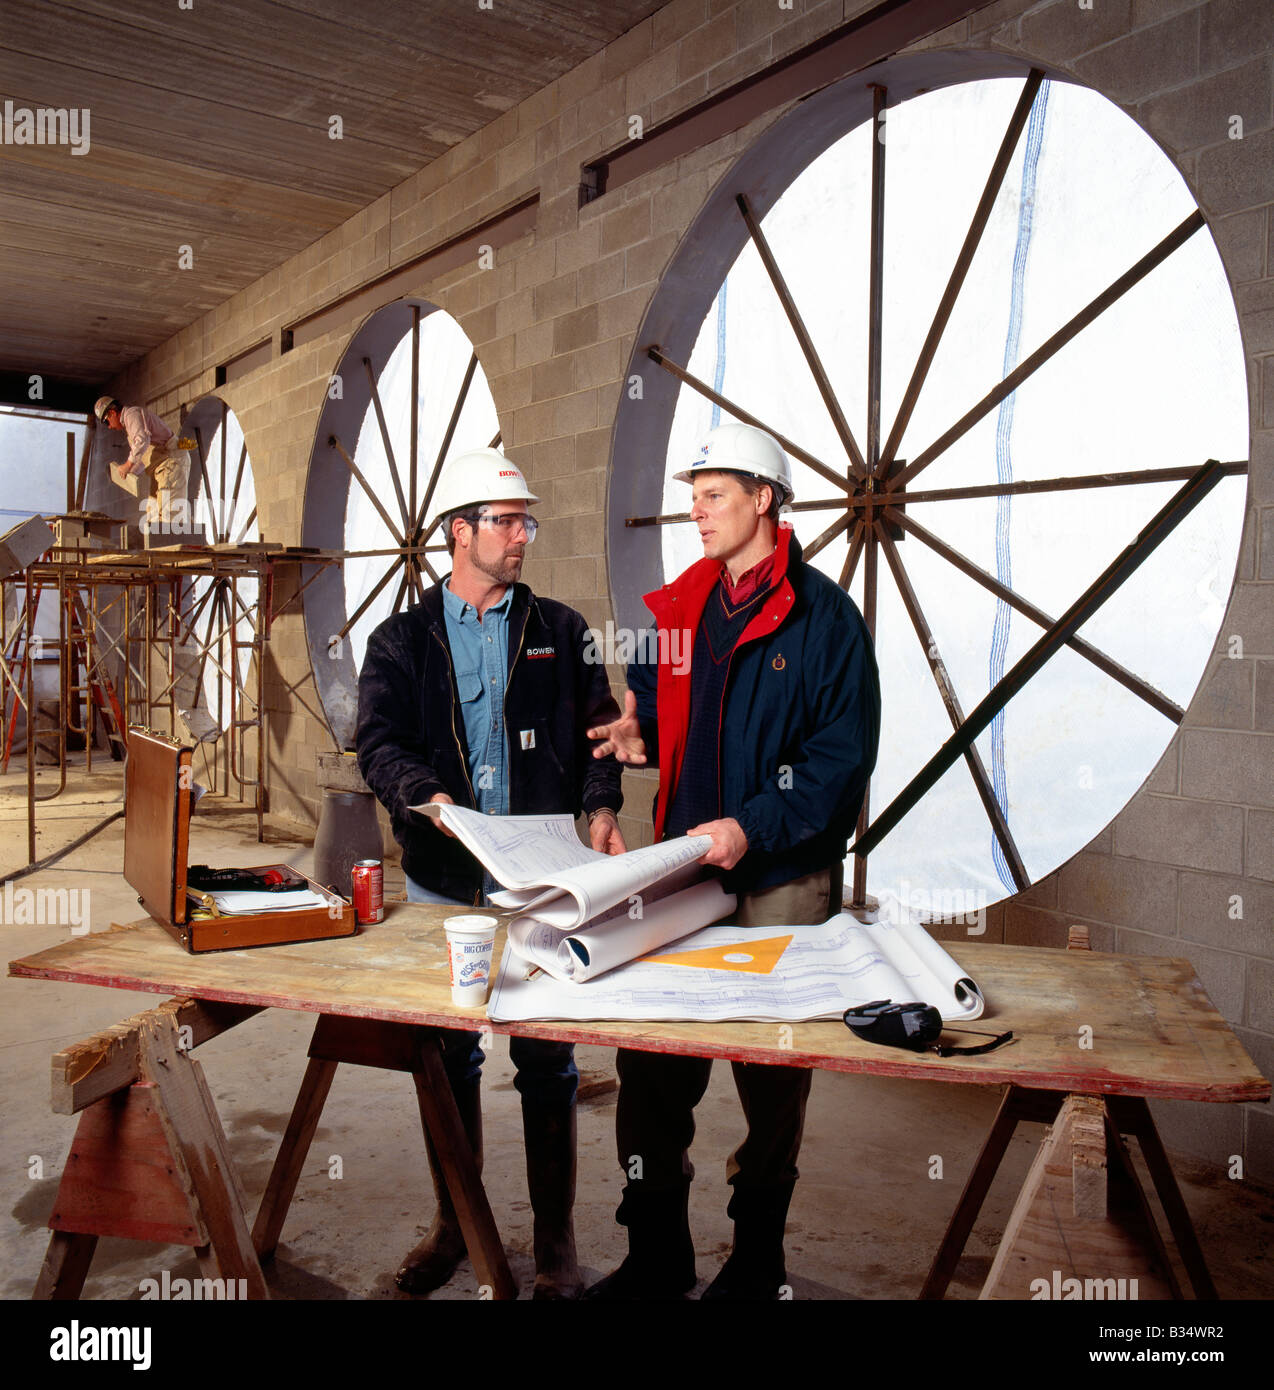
(405,1047)
(1066,1221)
(150,1159)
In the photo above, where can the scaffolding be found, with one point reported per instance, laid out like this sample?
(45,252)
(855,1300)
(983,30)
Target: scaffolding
(136,632)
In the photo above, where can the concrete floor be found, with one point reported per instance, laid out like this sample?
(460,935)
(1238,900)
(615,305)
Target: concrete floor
(864,1223)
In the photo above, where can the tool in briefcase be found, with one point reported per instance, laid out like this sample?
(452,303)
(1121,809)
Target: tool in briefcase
(157,799)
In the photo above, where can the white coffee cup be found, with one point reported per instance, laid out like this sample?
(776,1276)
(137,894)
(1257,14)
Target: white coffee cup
(470,945)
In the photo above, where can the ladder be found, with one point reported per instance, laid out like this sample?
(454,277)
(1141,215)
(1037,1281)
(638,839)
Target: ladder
(80,649)
(97,686)
(14,664)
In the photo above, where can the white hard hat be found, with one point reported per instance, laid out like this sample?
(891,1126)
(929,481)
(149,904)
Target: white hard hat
(480,475)
(104,403)
(736,448)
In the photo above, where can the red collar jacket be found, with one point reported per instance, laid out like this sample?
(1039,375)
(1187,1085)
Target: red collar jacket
(801,721)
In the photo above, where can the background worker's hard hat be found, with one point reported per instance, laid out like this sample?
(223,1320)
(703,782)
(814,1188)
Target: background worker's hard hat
(737,448)
(104,403)
(480,475)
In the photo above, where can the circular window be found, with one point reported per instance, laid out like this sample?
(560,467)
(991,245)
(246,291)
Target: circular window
(988,324)
(408,395)
(217,627)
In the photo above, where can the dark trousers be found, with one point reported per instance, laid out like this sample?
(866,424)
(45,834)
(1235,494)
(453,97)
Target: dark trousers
(658,1091)
(546,1071)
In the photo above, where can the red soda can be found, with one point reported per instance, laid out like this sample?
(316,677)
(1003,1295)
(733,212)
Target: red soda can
(369,891)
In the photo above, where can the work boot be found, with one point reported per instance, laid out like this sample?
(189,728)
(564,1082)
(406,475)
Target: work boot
(660,1265)
(754,1270)
(432,1263)
(549,1135)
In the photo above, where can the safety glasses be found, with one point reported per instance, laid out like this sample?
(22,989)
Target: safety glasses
(507,523)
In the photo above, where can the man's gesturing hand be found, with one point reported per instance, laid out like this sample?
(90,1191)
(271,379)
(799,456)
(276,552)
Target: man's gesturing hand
(623,737)
(729,843)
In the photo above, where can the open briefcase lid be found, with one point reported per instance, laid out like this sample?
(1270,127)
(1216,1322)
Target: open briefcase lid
(158,788)
(157,782)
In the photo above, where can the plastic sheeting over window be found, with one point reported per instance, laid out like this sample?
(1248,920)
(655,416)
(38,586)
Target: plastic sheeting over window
(33,462)
(445,355)
(226,514)
(1156,381)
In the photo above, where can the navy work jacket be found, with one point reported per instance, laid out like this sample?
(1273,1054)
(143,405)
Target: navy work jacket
(800,720)
(410,737)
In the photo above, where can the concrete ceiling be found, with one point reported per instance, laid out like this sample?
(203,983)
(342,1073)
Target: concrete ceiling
(209,127)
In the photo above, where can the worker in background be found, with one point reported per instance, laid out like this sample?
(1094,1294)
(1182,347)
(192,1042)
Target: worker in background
(481,696)
(153,455)
(765,744)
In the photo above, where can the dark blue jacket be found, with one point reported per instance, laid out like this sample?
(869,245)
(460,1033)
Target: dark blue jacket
(410,735)
(800,722)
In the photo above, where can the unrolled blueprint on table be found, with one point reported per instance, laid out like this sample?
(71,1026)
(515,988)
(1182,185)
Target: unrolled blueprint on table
(767,974)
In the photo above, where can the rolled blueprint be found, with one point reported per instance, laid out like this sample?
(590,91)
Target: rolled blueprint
(624,933)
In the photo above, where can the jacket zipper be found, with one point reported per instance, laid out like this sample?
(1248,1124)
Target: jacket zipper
(464,759)
(504,704)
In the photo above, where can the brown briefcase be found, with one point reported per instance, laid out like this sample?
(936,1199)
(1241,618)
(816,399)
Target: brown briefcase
(157,800)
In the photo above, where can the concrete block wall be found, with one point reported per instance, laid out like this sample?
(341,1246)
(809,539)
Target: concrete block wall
(554,324)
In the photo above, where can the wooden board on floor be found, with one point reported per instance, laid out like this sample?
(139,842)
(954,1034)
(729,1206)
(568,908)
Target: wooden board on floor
(1154,1031)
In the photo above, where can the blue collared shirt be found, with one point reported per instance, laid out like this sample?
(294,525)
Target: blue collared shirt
(480,656)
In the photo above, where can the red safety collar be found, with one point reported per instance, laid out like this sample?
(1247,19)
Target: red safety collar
(680,605)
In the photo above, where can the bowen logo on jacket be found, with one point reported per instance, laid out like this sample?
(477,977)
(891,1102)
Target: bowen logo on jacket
(538,653)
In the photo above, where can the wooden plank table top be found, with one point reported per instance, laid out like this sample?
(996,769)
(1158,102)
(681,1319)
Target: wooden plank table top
(1154,1031)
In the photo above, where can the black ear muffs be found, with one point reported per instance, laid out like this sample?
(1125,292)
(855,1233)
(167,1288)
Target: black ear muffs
(915,1026)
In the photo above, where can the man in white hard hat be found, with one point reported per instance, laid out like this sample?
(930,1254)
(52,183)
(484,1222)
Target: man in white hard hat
(765,744)
(482,696)
(152,455)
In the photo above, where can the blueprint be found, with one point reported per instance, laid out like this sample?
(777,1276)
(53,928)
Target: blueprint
(577,895)
(517,850)
(665,912)
(548,872)
(766,974)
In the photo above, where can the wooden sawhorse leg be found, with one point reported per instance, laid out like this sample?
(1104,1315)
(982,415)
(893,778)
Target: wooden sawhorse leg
(1017,1104)
(297,1138)
(149,1160)
(1123,1115)
(394,1047)
(1131,1115)
(66,1265)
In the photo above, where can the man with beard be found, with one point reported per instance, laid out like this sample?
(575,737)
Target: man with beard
(481,696)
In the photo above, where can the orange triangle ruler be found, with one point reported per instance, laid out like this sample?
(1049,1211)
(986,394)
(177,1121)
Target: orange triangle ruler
(754,957)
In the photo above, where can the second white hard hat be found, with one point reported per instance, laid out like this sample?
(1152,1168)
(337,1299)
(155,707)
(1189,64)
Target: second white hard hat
(479,475)
(104,403)
(738,448)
